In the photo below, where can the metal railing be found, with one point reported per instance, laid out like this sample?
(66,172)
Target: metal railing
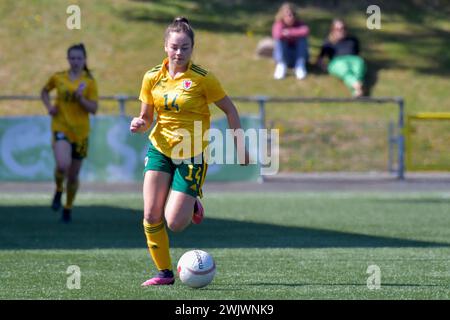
(262,101)
(120,98)
(400,141)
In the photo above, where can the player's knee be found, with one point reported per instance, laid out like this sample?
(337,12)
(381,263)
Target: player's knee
(151,220)
(72,178)
(62,167)
(176,225)
(152,216)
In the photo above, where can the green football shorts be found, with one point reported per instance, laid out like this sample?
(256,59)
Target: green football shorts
(186,177)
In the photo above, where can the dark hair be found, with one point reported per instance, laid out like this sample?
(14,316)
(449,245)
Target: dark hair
(80,47)
(180,24)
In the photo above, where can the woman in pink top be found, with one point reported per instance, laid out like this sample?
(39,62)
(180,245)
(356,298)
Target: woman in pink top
(290,42)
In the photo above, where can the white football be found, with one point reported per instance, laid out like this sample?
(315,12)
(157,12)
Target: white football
(196,268)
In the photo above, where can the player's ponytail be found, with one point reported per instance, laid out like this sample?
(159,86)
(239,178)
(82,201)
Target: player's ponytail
(81,47)
(180,24)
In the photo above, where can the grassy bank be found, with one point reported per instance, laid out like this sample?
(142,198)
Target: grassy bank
(407,57)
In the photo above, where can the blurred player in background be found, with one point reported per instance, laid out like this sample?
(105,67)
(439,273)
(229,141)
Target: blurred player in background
(179,91)
(76,97)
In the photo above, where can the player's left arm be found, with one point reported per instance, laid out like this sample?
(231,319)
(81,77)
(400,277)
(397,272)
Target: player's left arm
(234,122)
(89,103)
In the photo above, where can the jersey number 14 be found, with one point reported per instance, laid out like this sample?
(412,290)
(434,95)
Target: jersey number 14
(173,104)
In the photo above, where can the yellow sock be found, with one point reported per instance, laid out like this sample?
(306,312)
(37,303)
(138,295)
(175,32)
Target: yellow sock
(158,244)
(59,180)
(71,192)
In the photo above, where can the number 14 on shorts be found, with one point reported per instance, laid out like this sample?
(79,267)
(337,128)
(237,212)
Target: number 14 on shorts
(190,176)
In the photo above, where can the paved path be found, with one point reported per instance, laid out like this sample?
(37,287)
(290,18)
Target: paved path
(286,182)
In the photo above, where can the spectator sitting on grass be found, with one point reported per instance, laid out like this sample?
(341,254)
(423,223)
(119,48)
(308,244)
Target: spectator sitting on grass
(290,42)
(344,60)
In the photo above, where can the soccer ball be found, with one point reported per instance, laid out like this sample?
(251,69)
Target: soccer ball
(196,268)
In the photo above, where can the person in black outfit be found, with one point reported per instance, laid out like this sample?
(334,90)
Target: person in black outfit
(345,63)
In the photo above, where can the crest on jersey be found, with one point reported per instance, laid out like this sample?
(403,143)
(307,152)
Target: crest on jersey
(187,84)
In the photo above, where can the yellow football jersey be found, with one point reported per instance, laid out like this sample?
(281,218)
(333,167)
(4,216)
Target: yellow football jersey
(178,104)
(71,118)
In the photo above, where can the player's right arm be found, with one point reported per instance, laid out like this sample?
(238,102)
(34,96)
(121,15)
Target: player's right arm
(144,121)
(45,96)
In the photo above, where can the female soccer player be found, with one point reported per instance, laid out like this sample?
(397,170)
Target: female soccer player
(179,91)
(76,97)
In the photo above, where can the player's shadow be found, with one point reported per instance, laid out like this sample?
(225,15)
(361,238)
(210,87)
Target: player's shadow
(236,234)
(354,284)
(417,201)
(34,227)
